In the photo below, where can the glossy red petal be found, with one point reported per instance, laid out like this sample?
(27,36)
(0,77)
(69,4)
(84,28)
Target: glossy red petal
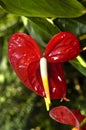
(57,81)
(79,117)
(65,116)
(84,127)
(35,80)
(24,55)
(62,47)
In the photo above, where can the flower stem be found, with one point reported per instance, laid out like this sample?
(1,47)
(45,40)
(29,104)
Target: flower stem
(83,122)
(82,62)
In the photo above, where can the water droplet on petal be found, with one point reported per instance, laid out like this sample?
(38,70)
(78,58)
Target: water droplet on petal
(36,88)
(55,57)
(59,78)
(53,90)
(43,93)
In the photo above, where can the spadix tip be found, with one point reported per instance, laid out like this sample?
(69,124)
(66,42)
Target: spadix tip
(75,128)
(47,102)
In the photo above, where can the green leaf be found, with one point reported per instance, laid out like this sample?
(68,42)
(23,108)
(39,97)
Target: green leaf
(2,12)
(81,19)
(83,2)
(7,22)
(44,8)
(41,29)
(79,65)
(77,26)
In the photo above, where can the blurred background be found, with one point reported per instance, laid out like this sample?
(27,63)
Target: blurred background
(20,108)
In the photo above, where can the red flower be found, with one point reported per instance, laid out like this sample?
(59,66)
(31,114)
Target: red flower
(66,116)
(43,73)
(80,118)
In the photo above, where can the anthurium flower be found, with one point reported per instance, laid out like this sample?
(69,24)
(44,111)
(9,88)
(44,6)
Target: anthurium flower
(43,73)
(64,115)
(81,118)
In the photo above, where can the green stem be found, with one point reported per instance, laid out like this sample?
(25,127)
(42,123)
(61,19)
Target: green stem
(81,61)
(82,37)
(83,122)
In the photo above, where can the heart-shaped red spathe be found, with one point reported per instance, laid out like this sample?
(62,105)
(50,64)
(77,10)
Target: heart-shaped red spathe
(24,55)
(80,118)
(62,47)
(65,116)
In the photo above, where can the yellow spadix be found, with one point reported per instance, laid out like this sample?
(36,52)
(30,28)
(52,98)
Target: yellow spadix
(44,76)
